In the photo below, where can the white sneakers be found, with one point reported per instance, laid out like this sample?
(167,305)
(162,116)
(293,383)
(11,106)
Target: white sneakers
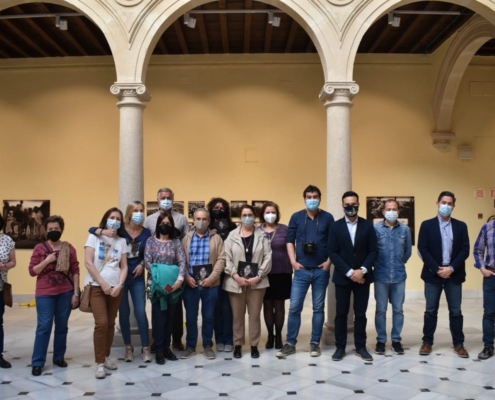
(100,372)
(109,364)
(129,353)
(146,354)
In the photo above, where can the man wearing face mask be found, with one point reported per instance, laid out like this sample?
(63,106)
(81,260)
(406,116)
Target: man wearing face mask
(443,244)
(352,248)
(394,249)
(203,248)
(306,244)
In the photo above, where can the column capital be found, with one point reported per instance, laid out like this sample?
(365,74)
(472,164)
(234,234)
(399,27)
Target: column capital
(136,90)
(338,93)
(442,139)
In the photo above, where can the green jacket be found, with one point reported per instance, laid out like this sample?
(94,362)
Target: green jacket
(164,275)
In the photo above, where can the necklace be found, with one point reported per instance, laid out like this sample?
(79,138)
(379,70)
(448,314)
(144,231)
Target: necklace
(249,243)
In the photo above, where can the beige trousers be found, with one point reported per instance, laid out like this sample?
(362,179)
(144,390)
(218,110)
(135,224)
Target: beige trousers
(252,299)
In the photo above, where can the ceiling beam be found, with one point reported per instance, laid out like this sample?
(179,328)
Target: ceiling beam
(180,36)
(310,46)
(379,39)
(268,36)
(42,33)
(223,27)
(292,36)
(247,27)
(412,27)
(4,54)
(162,46)
(202,33)
(17,49)
(24,37)
(82,24)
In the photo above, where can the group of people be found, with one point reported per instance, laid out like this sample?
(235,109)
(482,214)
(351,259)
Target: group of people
(227,269)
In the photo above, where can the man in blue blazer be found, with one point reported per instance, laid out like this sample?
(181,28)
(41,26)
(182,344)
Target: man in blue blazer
(443,244)
(352,248)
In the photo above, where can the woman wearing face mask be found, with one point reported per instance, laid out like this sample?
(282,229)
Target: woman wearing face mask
(280,276)
(165,249)
(55,265)
(247,246)
(219,210)
(106,262)
(136,237)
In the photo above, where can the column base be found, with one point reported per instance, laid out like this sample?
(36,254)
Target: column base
(329,333)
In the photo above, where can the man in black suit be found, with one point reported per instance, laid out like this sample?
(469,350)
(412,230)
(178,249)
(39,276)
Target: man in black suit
(352,248)
(443,244)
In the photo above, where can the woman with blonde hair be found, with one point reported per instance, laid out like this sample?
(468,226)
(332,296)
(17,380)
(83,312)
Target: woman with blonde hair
(136,236)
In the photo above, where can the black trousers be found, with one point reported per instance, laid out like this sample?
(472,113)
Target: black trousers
(343,297)
(178,330)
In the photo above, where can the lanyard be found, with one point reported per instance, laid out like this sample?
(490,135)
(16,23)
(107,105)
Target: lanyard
(306,221)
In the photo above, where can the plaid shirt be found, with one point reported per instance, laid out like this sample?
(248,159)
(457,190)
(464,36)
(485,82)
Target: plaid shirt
(485,242)
(199,252)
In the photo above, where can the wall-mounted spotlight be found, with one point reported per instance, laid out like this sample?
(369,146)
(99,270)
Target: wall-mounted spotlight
(189,21)
(275,21)
(393,20)
(62,24)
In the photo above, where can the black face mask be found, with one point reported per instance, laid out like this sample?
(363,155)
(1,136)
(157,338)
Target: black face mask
(219,214)
(54,236)
(164,229)
(351,211)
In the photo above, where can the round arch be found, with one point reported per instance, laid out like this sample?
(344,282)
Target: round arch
(303,11)
(370,13)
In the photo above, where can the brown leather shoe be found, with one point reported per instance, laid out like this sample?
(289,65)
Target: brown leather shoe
(425,350)
(461,351)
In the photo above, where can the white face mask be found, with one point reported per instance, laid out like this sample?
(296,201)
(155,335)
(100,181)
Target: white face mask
(270,217)
(391,216)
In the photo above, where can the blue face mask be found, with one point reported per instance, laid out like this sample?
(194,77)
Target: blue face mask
(312,204)
(166,204)
(113,224)
(445,210)
(138,217)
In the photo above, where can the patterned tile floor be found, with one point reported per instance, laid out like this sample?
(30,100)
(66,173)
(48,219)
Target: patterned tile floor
(441,375)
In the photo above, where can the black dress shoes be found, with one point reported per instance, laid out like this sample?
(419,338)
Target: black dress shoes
(237,351)
(278,342)
(269,342)
(160,357)
(60,363)
(254,352)
(4,363)
(169,354)
(36,371)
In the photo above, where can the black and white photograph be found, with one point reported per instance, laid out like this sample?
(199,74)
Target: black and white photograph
(374,207)
(192,206)
(151,207)
(247,270)
(257,204)
(201,272)
(178,206)
(235,208)
(24,221)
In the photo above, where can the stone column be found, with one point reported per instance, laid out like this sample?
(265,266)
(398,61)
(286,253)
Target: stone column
(337,100)
(132,98)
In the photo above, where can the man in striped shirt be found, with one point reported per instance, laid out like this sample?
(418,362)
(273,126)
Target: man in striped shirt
(484,255)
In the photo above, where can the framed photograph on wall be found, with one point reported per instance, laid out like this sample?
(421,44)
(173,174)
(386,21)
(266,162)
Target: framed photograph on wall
(151,207)
(193,206)
(23,221)
(235,208)
(374,206)
(178,206)
(257,204)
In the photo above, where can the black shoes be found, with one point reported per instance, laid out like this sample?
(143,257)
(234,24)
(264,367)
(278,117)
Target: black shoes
(160,357)
(278,342)
(237,351)
(169,354)
(36,371)
(254,352)
(60,363)
(4,363)
(269,342)
(397,347)
(364,354)
(339,354)
(178,346)
(486,353)
(380,348)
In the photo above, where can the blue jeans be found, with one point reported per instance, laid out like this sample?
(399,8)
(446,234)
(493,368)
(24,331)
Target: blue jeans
(137,290)
(48,308)
(489,311)
(318,279)
(453,293)
(208,297)
(396,292)
(2,311)
(224,319)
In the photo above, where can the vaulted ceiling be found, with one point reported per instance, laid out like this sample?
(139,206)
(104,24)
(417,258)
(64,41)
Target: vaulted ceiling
(29,37)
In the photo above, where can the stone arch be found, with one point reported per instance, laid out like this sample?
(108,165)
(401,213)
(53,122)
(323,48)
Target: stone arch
(369,11)
(305,12)
(474,34)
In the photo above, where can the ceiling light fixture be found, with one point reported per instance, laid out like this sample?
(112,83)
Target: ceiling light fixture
(62,24)
(393,20)
(189,21)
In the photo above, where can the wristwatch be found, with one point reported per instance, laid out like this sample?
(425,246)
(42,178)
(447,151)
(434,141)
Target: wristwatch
(260,276)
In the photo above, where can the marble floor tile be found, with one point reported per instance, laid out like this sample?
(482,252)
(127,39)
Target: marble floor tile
(289,383)
(225,384)
(326,391)
(260,392)
(457,389)
(190,393)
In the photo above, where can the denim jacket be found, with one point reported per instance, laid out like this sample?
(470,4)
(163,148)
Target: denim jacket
(394,249)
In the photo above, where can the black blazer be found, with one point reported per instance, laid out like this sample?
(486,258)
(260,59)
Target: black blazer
(345,256)
(430,248)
